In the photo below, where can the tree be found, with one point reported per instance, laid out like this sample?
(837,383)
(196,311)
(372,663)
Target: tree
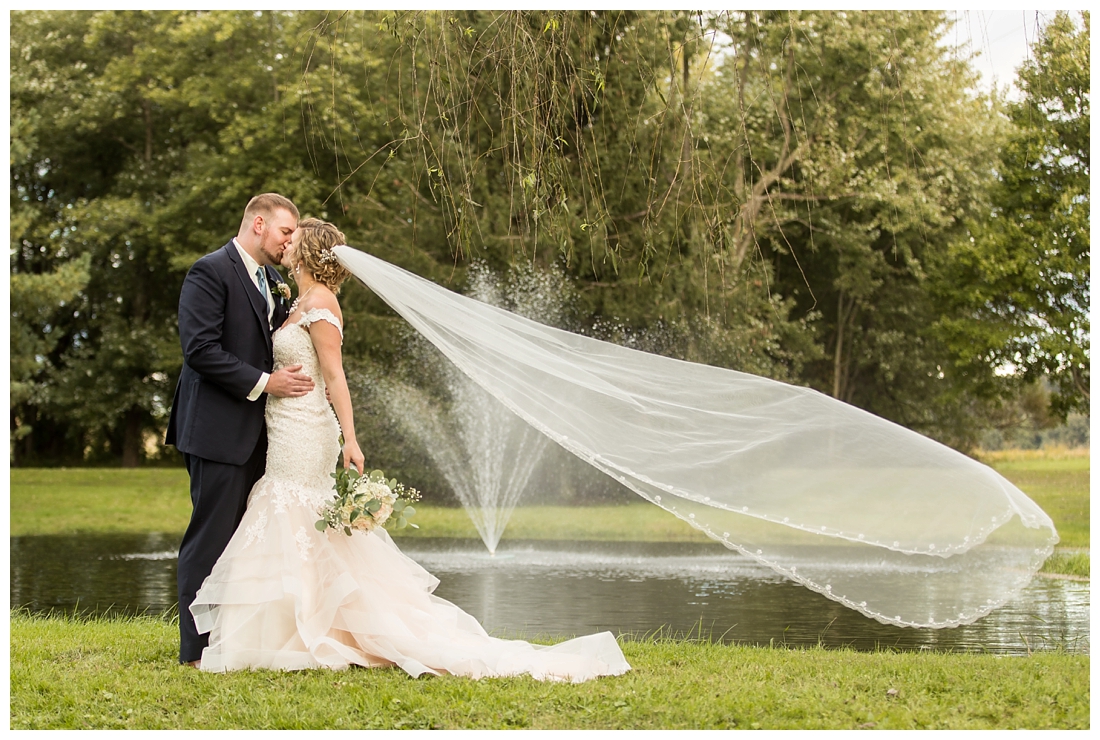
(846,153)
(782,205)
(35,301)
(1016,289)
(137,138)
(565,138)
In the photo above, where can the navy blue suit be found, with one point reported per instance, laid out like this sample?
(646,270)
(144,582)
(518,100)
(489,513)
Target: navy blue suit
(226,345)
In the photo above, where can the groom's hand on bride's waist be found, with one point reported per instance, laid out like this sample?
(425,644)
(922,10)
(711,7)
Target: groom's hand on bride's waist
(288,381)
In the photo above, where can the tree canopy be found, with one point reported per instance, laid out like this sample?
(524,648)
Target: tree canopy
(816,196)
(1016,289)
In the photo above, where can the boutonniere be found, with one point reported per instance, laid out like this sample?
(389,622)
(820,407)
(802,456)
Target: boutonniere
(280,290)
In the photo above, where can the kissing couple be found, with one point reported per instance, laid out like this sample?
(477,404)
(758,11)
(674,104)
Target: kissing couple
(259,585)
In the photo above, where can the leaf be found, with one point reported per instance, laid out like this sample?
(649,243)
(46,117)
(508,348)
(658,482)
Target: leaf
(320,525)
(409,511)
(347,531)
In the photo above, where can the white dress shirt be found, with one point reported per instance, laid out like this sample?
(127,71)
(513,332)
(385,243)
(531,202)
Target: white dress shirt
(251,265)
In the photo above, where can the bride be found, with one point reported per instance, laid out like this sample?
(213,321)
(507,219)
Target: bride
(285,596)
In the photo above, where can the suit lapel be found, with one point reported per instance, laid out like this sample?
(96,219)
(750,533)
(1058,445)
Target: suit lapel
(278,316)
(259,305)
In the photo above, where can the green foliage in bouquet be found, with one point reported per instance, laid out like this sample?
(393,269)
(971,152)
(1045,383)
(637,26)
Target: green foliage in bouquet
(363,502)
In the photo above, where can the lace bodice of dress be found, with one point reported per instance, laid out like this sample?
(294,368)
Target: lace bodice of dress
(303,434)
(295,347)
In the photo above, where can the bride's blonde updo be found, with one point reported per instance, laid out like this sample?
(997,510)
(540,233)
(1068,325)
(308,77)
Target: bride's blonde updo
(315,255)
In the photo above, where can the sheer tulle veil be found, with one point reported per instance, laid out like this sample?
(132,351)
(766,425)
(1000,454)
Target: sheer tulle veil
(868,513)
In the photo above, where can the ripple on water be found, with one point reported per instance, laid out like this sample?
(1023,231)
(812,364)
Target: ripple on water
(571,588)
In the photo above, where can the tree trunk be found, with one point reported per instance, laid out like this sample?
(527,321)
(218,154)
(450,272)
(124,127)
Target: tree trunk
(131,440)
(838,352)
(1080,383)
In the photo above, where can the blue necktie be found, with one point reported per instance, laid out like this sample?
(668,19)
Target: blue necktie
(263,289)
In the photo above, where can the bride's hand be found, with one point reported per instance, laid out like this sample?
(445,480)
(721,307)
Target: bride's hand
(353,456)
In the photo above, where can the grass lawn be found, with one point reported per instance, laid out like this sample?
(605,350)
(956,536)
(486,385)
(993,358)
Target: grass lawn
(1058,483)
(60,500)
(122,674)
(71,500)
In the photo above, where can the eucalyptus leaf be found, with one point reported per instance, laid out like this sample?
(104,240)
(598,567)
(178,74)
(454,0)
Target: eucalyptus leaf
(321,525)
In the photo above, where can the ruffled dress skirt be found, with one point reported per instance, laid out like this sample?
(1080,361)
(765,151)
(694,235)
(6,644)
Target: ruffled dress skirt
(286,596)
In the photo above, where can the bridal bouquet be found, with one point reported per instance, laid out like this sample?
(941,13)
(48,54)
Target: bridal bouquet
(364,502)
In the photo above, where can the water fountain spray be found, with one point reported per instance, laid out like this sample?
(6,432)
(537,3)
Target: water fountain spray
(486,453)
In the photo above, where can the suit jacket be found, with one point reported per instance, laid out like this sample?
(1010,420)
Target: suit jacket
(226,345)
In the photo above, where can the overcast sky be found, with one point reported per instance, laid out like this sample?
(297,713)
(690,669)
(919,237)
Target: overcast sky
(1002,37)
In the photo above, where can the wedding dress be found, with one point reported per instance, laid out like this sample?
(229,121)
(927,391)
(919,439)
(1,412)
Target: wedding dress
(285,596)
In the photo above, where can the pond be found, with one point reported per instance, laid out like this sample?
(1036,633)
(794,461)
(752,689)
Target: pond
(554,589)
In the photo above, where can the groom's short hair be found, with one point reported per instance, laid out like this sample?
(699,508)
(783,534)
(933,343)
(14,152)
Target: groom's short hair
(266,204)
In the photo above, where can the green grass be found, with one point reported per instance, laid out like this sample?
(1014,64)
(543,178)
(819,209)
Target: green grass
(59,500)
(1059,484)
(122,674)
(640,522)
(71,500)
(1067,563)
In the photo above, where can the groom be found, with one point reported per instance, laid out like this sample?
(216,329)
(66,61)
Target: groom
(231,301)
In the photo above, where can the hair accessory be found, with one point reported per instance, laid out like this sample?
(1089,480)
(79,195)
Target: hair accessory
(327,256)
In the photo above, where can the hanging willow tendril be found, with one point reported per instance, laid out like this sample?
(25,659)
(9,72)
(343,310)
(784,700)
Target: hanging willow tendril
(503,109)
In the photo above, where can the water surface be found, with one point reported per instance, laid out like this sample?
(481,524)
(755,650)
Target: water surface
(555,589)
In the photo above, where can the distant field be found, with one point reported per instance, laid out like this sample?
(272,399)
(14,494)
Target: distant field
(1058,481)
(70,500)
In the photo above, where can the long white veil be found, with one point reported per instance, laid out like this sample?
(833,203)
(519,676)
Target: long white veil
(866,512)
